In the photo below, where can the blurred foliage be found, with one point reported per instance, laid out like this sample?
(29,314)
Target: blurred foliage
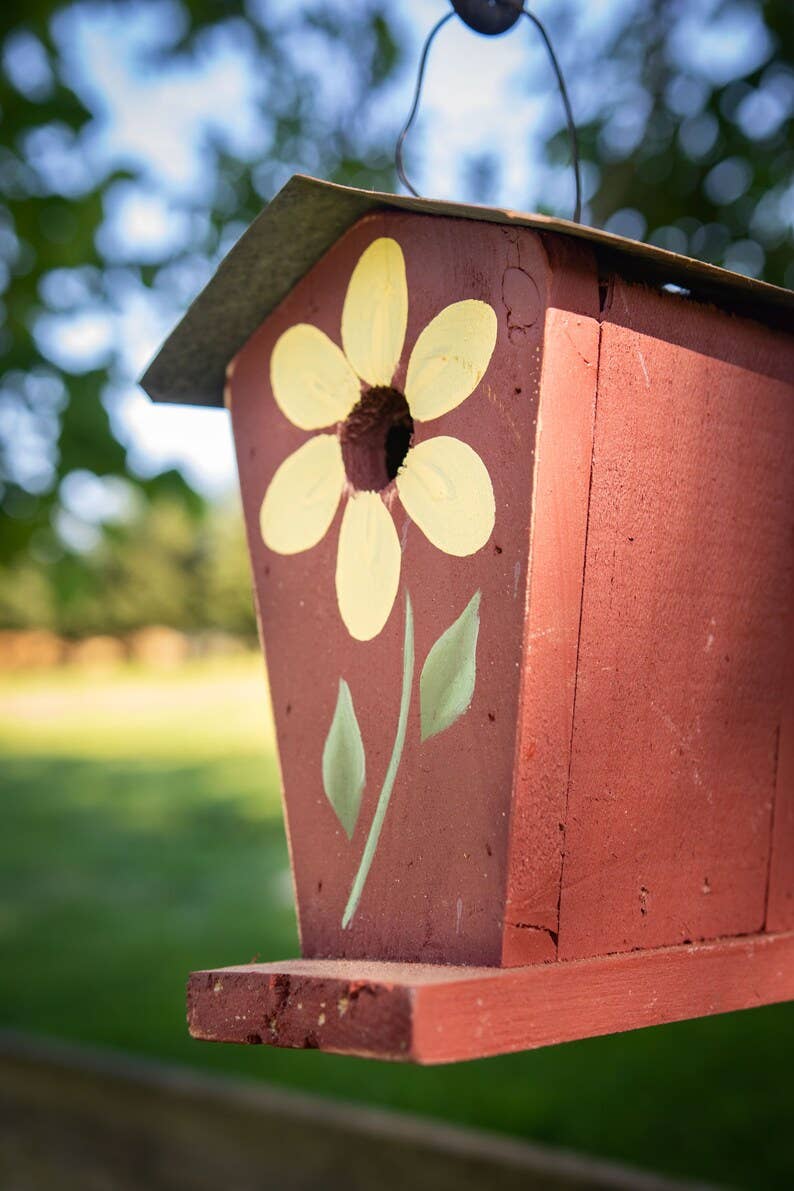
(163,565)
(54,192)
(685,111)
(686,125)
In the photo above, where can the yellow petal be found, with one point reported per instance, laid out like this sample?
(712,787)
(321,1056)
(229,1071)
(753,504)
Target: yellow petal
(313,384)
(376,312)
(367,565)
(445,488)
(450,358)
(301,499)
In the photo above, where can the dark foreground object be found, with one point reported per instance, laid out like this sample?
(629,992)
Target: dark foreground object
(71,1118)
(432,1013)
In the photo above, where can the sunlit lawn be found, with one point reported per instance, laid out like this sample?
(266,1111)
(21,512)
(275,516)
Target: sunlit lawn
(142,837)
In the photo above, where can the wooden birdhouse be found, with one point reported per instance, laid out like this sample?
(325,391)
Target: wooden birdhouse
(520,506)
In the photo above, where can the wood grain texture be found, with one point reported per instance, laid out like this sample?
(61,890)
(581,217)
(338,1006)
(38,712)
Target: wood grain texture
(439,1014)
(688,582)
(780,901)
(436,888)
(563,454)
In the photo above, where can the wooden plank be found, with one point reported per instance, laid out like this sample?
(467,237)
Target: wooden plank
(563,454)
(687,588)
(74,1117)
(780,902)
(440,1014)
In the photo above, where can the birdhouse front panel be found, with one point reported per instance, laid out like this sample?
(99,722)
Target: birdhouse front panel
(386,416)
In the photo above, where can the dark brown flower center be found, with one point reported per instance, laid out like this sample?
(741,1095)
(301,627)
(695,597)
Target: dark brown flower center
(375,438)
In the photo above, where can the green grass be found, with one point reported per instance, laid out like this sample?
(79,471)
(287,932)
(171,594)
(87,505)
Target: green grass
(142,838)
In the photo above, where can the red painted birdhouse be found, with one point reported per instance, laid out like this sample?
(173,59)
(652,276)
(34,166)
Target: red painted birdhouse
(520,507)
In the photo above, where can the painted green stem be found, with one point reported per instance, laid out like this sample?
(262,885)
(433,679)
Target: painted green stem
(391,772)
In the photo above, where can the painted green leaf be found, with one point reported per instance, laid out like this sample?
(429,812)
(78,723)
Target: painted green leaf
(344,762)
(446,686)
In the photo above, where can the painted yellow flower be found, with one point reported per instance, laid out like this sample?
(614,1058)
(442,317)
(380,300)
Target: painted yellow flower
(369,452)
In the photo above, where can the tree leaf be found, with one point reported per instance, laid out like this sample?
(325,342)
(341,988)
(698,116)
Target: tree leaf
(344,762)
(448,676)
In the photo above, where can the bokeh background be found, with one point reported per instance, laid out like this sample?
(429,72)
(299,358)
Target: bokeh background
(142,833)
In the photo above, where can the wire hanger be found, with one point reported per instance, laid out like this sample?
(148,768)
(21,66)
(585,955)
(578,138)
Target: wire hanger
(490,17)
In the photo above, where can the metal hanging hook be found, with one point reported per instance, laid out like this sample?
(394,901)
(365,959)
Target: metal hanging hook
(491,17)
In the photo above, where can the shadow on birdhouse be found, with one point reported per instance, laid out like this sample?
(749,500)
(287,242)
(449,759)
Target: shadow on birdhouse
(520,507)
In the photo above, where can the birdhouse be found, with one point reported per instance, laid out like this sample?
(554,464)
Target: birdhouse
(519,497)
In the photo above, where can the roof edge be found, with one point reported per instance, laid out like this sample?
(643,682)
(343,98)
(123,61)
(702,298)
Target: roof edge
(306,218)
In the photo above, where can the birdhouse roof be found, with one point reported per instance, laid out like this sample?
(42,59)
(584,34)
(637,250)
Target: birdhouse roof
(307,216)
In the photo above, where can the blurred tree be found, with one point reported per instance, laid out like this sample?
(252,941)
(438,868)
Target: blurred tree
(55,190)
(226,581)
(145,571)
(27,596)
(161,565)
(685,110)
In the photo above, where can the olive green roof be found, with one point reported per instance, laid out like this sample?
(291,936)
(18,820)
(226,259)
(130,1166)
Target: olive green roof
(307,216)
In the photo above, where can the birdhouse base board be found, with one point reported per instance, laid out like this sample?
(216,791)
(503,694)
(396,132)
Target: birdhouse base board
(431,1013)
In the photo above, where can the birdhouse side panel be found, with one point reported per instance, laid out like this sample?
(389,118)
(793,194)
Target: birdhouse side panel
(780,907)
(392,606)
(688,582)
